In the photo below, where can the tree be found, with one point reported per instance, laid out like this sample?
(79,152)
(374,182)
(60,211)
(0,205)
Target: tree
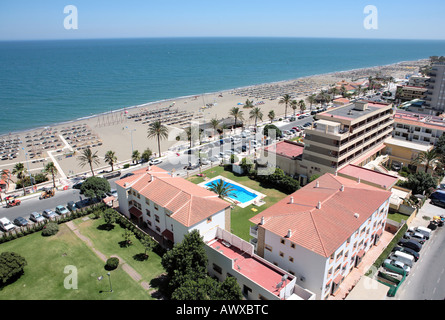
(286,99)
(95,187)
(294,106)
(146,155)
(187,260)
(237,114)
(230,290)
(248,104)
(90,158)
(271,115)
(222,189)
(110,158)
(256,114)
(268,130)
(20,171)
(420,182)
(158,130)
(11,267)
(311,99)
(428,158)
(136,156)
(148,243)
(51,169)
(214,124)
(110,217)
(302,106)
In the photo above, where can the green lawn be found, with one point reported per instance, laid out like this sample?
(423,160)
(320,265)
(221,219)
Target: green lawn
(47,257)
(240,224)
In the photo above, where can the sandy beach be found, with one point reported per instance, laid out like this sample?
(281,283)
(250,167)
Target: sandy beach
(126,130)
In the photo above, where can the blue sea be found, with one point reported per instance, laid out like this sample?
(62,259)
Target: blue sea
(48,82)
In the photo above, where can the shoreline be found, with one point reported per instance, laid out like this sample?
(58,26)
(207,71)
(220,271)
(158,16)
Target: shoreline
(124,130)
(150,103)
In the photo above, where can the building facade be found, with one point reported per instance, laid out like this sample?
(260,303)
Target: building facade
(344,134)
(322,231)
(171,206)
(435,96)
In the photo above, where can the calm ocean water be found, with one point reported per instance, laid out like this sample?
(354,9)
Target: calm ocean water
(47,82)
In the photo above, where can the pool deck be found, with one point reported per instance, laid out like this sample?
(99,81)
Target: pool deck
(256,201)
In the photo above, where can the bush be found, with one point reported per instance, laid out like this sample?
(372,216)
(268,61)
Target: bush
(112,263)
(50,229)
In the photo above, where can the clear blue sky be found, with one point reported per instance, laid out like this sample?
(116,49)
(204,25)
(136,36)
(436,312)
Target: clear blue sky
(43,19)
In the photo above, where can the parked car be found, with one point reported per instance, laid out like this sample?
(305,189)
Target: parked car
(113,193)
(36,217)
(71,206)
(61,210)
(426,232)
(438,198)
(416,246)
(49,214)
(415,236)
(6,225)
(155,162)
(397,264)
(20,222)
(415,254)
(77,185)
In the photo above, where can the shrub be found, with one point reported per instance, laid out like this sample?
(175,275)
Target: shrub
(50,229)
(112,263)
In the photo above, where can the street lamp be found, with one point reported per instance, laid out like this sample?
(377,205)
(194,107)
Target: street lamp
(29,172)
(131,133)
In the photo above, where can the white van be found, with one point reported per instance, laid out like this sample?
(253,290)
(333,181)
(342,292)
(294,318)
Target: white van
(425,231)
(405,258)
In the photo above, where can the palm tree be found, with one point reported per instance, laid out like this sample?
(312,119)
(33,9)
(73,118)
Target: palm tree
(20,171)
(215,124)
(294,105)
(90,158)
(52,170)
(302,106)
(237,113)
(136,156)
(6,176)
(271,115)
(256,114)
(311,99)
(158,130)
(428,158)
(248,104)
(110,158)
(286,99)
(222,189)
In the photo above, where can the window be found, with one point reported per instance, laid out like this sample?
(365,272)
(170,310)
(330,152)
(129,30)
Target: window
(283,241)
(339,255)
(291,259)
(281,254)
(156,218)
(148,212)
(269,248)
(292,245)
(217,268)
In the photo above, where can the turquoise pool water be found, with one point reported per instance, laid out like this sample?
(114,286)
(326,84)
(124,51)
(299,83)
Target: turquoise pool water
(238,193)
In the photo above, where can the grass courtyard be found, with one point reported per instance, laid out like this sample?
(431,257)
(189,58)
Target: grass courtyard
(240,223)
(47,257)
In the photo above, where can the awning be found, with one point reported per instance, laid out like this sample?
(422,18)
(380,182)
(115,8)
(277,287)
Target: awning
(361,253)
(168,235)
(135,212)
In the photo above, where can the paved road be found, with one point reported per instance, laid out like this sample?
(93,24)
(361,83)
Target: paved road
(427,278)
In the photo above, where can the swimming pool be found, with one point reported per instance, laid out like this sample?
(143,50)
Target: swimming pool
(238,193)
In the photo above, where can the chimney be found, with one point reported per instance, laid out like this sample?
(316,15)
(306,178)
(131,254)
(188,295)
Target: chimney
(148,168)
(358,180)
(262,221)
(317,185)
(356,215)
(342,188)
(289,233)
(319,205)
(291,200)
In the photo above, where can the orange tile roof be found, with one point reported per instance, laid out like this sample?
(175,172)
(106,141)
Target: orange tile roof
(287,149)
(323,230)
(188,202)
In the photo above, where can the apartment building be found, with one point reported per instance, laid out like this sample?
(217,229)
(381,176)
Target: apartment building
(345,134)
(435,96)
(171,206)
(322,231)
(408,93)
(418,81)
(419,128)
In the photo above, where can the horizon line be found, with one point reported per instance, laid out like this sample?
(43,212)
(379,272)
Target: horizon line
(213,37)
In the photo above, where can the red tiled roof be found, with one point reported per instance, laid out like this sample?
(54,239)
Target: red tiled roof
(286,149)
(188,202)
(377,178)
(325,229)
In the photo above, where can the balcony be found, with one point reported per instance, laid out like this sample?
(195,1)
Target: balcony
(254,231)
